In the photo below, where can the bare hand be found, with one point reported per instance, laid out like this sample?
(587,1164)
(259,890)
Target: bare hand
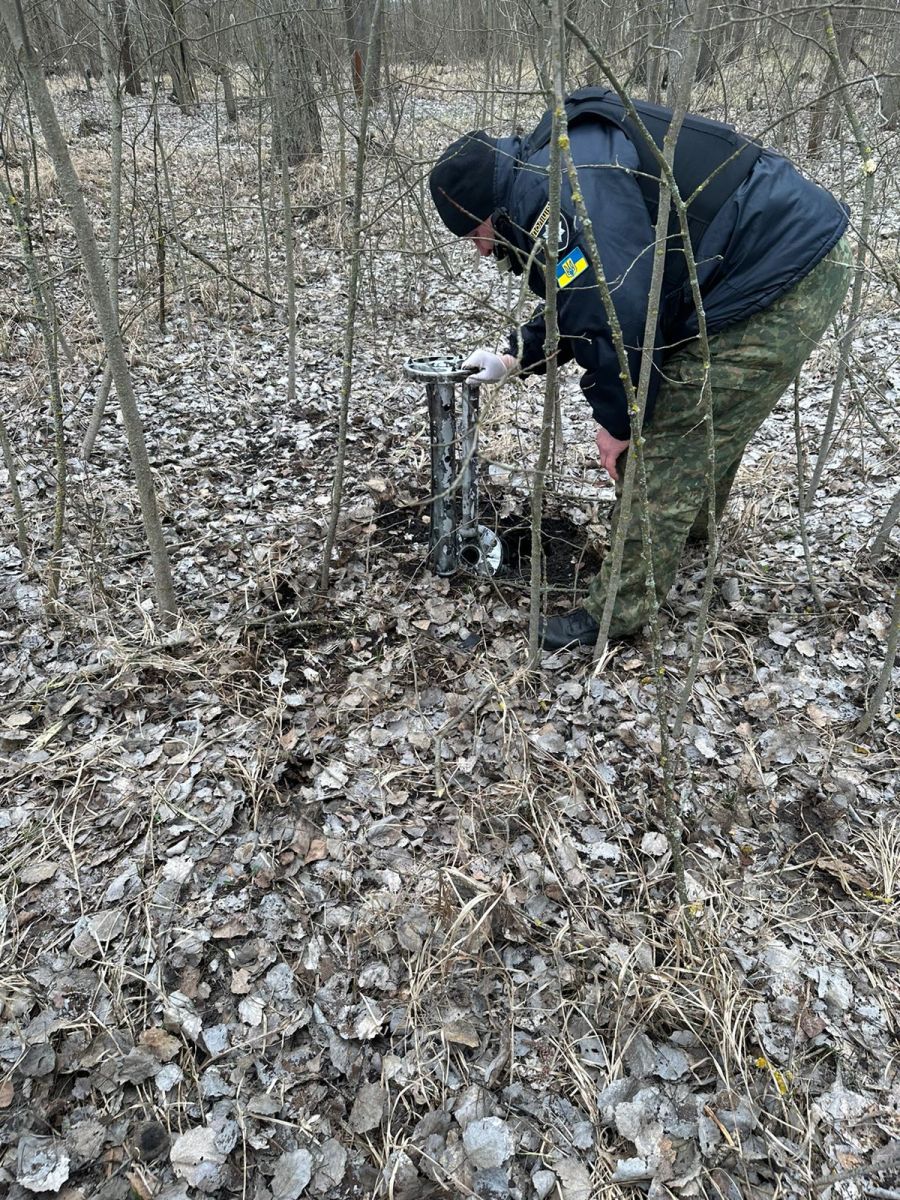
(609,449)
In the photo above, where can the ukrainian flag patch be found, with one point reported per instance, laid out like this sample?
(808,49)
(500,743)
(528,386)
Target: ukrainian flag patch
(571,267)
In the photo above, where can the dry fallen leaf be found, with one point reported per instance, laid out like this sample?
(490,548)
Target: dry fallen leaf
(162,1045)
(240,982)
(293,1172)
(850,877)
(368,1108)
(654,844)
(235,928)
(316,852)
(38,873)
(42,1164)
(18,720)
(461,1033)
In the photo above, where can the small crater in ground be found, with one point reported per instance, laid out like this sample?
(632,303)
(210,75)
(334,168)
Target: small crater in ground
(568,555)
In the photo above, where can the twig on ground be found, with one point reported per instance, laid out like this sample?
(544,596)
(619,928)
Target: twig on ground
(210,265)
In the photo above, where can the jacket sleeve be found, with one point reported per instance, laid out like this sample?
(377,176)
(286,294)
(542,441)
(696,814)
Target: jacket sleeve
(582,316)
(527,345)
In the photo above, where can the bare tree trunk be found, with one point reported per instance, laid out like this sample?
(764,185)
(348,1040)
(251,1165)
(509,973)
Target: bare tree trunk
(887,670)
(801,503)
(263,207)
(708,58)
(289,279)
(656,55)
(890,520)
(297,133)
(890,89)
(67,47)
(170,226)
(843,48)
(178,54)
(46,318)
(219,64)
(231,108)
(125,53)
(364,20)
(635,471)
(678,39)
(337,489)
(9,462)
(115,220)
(558,137)
(98,287)
(845,345)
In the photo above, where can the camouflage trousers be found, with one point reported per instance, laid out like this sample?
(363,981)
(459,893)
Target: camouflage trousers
(751,365)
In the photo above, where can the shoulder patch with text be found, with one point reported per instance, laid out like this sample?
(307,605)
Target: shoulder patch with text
(540,227)
(540,222)
(571,267)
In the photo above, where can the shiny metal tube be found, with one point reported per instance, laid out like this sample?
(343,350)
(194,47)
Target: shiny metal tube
(444,495)
(467,432)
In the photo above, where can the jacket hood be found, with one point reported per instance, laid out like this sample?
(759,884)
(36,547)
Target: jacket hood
(505,167)
(506,160)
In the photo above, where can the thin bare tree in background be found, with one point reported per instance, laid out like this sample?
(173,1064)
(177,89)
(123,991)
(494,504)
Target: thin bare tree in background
(45,312)
(887,670)
(890,89)
(217,45)
(676,38)
(108,41)
(74,45)
(868,167)
(98,286)
(126,60)
(838,57)
(354,256)
(21,521)
(280,117)
(178,54)
(558,143)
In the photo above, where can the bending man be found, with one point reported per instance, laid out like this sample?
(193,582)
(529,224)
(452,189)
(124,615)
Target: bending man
(773,268)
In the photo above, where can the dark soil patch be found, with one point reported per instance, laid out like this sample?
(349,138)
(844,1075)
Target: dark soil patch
(568,555)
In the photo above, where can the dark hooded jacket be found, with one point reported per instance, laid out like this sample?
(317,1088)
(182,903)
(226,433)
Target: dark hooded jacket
(771,233)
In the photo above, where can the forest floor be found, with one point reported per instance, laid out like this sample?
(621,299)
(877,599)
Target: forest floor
(324,895)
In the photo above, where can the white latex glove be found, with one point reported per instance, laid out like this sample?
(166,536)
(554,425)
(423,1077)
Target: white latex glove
(490,367)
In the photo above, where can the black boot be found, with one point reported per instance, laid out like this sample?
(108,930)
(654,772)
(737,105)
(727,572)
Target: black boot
(578,627)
